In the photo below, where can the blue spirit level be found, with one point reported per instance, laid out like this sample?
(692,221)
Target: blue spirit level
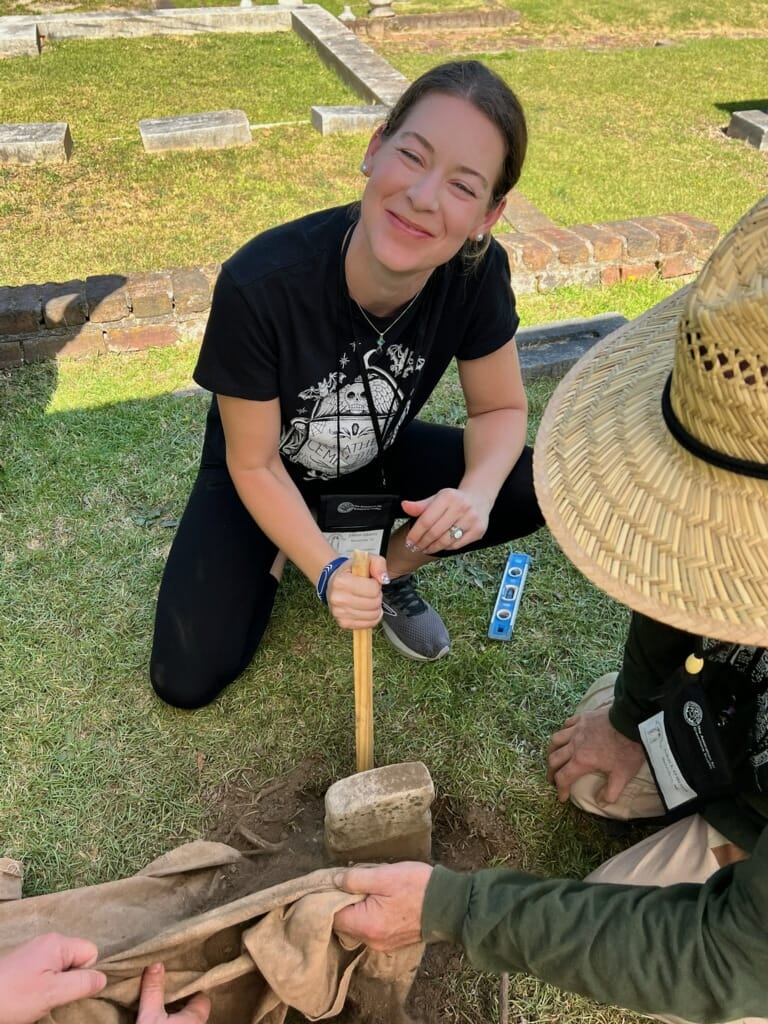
(508,599)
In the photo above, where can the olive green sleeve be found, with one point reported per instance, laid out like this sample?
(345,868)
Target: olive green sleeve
(696,951)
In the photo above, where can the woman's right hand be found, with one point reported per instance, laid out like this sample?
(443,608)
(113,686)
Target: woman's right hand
(355,601)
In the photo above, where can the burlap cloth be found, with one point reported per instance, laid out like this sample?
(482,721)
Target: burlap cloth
(11,875)
(255,957)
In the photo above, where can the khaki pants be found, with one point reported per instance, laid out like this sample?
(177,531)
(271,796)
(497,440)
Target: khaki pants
(683,852)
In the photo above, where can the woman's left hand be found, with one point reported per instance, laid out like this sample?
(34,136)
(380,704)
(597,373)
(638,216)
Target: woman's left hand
(447,521)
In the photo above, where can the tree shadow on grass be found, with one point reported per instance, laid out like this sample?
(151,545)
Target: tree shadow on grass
(736,105)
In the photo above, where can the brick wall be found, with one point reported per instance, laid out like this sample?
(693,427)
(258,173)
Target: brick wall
(119,313)
(103,313)
(673,245)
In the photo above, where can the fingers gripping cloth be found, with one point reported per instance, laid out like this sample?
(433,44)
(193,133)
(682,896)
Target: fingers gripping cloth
(255,957)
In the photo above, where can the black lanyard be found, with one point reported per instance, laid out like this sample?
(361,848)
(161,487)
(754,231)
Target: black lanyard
(372,412)
(392,415)
(344,294)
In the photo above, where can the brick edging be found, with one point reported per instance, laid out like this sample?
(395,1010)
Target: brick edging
(672,245)
(103,313)
(119,313)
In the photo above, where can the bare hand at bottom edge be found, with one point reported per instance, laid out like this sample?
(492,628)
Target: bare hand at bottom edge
(152,1002)
(48,971)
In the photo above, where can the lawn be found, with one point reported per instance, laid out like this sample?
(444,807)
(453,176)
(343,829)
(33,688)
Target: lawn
(99,777)
(614,133)
(97,456)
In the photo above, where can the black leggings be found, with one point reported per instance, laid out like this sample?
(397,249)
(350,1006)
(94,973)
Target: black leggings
(217,590)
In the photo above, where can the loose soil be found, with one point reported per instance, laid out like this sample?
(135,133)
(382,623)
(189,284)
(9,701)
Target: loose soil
(278,826)
(442,38)
(454,42)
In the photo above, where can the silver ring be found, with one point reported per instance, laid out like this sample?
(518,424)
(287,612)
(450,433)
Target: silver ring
(456,532)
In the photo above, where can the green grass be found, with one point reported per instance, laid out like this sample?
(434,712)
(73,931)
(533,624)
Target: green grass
(97,456)
(613,134)
(642,134)
(99,776)
(635,132)
(668,17)
(113,206)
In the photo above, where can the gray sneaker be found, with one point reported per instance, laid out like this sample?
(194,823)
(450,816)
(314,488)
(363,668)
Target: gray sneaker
(412,625)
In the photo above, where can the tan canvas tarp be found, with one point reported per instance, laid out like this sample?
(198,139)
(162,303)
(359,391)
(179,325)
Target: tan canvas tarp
(255,956)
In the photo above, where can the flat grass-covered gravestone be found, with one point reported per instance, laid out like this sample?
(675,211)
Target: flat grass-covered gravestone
(36,143)
(218,129)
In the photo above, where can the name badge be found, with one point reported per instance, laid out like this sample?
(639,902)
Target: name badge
(362,521)
(666,771)
(685,751)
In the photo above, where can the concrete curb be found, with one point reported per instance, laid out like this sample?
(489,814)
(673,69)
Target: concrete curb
(356,64)
(132,24)
(549,350)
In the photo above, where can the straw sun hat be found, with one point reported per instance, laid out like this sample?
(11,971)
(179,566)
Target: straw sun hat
(666,508)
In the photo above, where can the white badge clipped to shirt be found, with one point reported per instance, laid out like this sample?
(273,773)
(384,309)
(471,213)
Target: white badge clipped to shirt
(357,521)
(669,777)
(685,741)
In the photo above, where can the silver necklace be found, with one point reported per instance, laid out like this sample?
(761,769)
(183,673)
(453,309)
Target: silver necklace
(382,334)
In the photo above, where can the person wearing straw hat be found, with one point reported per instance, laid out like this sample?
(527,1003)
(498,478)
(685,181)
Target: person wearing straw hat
(664,505)
(651,466)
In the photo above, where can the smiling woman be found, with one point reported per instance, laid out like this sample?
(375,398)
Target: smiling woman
(431,182)
(326,337)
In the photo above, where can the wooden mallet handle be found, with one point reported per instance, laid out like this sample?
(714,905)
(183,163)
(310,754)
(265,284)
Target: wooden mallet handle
(362,652)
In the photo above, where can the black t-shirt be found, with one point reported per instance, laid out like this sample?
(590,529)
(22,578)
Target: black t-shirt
(282,326)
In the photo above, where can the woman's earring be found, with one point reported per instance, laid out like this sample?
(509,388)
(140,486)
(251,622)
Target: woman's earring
(480,237)
(364,167)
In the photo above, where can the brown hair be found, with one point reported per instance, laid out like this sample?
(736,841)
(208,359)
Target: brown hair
(472,81)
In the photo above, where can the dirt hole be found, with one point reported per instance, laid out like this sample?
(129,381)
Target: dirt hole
(278,825)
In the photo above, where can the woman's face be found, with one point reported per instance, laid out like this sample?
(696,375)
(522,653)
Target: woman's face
(430,184)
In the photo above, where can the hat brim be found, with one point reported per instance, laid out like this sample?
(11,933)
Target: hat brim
(659,530)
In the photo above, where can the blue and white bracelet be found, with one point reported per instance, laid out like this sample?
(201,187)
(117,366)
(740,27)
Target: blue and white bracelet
(325,576)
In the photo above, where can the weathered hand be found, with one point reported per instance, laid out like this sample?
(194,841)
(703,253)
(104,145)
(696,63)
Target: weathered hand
(390,915)
(589,743)
(354,601)
(152,1002)
(49,971)
(435,516)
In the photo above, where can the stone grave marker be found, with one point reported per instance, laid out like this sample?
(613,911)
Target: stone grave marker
(35,143)
(337,120)
(750,125)
(219,129)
